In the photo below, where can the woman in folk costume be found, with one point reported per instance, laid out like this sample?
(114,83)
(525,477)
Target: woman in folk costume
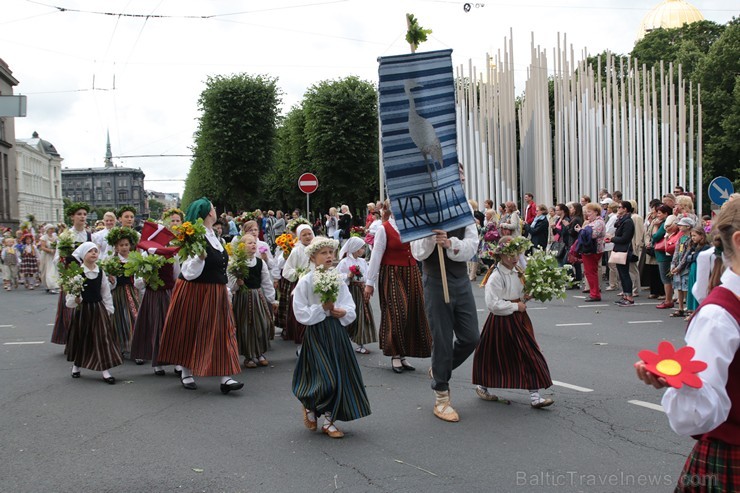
(253,299)
(327,379)
(711,413)
(29,261)
(199,332)
(77,212)
(92,339)
(404,329)
(47,247)
(508,356)
(354,268)
(295,266)
(124,292)
(156,301)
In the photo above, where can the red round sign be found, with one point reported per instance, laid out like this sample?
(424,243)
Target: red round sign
(308,183)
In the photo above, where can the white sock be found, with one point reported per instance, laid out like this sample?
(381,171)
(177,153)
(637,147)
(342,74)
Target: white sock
(75,369)
(187,375)
(227,380)
(106,374)
(158,368)
(534,396)
(178,368)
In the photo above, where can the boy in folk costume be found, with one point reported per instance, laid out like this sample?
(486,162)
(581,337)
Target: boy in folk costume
(10,264)
(354,268)
(508,355)
(124,292)
(327,379)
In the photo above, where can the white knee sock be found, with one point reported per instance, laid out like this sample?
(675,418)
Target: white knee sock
(534,396)
(106,374)
(75,369)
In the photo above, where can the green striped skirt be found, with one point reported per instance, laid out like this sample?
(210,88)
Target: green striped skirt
(253,322)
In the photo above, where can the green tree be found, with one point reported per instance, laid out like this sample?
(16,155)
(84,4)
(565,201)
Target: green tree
(341,132)
(280,188)
(235,139)
(156,208)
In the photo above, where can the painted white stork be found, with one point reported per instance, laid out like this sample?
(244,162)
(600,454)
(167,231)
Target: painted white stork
(423,135)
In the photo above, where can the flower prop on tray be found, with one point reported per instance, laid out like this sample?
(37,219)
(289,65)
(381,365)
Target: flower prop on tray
(357,231)
(286,242)
(238,264)
(544,279)
(112,266)
(147,267)
(65,244)
(191,238)
(326,284)
(676,367)
(72,279)
(356,272)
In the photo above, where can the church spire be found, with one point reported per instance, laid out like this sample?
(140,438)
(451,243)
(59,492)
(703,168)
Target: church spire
(108,153)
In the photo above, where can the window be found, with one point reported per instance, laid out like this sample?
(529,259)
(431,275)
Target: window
(122,182)
(136,194)
(122,195)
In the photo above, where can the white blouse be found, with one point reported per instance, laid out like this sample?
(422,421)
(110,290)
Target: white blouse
(704,264)
(379,243)
(503,285)
(715,335)
(104,290)
(347,262)
(307,304)
(192,267)
(100,239)
(459,251)
(265,281)
(296,260)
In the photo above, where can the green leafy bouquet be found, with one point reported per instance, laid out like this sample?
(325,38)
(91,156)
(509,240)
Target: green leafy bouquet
(147,267)
(326,284)
(112,266)
(72,279)
(544,280)
(238,264)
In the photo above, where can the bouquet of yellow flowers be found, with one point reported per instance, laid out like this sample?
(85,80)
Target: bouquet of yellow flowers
(286,242)
(238,264)
(191,238)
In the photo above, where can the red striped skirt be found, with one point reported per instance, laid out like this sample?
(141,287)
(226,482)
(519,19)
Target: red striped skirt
(295,328)
(285,287)
(199,331)
(508,357)
(404,329)
(92,340)
(61,321)
(712,466)
(149,323)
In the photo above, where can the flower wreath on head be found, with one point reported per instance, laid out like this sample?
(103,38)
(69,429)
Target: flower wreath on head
(74,207)
(244,217)
(119,233)
(514,247)
(170,212)
(294,223)
(321,242)
(125,208)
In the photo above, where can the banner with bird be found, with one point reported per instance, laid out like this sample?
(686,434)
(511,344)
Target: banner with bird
(419,139)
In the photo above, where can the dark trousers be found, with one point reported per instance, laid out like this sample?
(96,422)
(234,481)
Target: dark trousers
(651,274)
(624,277)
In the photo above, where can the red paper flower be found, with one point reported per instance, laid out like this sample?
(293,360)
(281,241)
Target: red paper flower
(355,271)
(676,367)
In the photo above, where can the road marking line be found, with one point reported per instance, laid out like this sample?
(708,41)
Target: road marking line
(481,310)
(591,306)
(50,325)
(649,405)
(21,343)
(653,304)
(537,308)
(6,326)
(646,322)
(572,387)
(581,297)
(573,325)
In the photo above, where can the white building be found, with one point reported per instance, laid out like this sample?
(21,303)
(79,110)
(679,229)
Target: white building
(39,174)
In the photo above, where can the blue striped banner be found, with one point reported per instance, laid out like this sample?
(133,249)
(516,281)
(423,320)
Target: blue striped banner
(419,140)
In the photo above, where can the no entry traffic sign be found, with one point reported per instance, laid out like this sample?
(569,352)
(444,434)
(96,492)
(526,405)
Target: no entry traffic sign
(308,183)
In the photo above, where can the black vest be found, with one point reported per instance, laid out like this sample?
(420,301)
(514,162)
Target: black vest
(91,293)
(214,272)
(124,281)
(454,269)
(254,281)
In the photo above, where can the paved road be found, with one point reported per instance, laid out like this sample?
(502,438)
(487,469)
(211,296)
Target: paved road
(146,433)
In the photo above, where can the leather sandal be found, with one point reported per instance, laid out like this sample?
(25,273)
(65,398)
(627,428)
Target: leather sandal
(307,422)
(335,433)
(483,393)
(542,403)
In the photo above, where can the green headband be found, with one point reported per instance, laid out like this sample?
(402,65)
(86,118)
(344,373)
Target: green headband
(198,209)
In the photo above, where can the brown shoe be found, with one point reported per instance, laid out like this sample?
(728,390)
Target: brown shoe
(443,408)
(543,403)
(250,364)
(483,393)
(308,422)
(263,361)
(335,433)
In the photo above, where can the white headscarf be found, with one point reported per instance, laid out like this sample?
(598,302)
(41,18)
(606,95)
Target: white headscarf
(300,229)
(82,250)
(352,244)
(48,227)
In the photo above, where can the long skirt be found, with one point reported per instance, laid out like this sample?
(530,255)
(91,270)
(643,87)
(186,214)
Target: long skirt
(253,322)
(404,329)
(126,309)
(691,303)
(50,271)
(327,378)
(199,331)
(285,287)
(149,324)
(508,357)
(362,330)
(92,340)
(62,321)
(29,266)
(712,466)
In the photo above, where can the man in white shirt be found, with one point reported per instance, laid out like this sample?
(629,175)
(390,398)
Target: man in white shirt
(100,238)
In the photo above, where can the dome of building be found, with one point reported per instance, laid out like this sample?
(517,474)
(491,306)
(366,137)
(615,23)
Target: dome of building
(669,14)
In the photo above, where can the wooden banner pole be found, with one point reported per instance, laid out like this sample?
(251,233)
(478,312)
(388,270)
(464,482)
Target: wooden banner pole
(443,270)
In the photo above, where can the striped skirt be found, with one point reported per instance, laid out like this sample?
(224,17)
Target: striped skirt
(712,466)
(149,324)
(327,378)
(126,309)
(285,287)
(92,340)
(295,328)
(362,330)
(508,357)
(253,319)
(199,331)
(404,329)
(62,321)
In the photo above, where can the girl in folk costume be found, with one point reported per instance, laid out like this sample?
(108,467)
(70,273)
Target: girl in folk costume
(10,264)
(253,299)
(284,286)
(156,300)
(199,332)
(404,329)
(354,269)
(47,247)
(711,413)
(77,212)
(327,379)
(508,355)
(29,262)
(124,292)
(295,266)
(92,339)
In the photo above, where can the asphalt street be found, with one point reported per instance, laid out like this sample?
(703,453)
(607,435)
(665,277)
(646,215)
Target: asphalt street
(606,431)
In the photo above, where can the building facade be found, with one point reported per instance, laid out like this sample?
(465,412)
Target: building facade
(39,173)
(9,214)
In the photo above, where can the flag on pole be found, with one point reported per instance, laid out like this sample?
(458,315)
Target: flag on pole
(419,139)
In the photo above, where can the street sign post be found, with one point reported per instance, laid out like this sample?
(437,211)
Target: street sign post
(720,190)
(308,184)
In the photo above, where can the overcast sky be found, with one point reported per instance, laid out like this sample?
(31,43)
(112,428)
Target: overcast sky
(87,69)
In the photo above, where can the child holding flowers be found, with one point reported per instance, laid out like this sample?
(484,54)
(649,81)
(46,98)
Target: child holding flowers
(253,301)
(354,268)
(508,355)
(327,379)
(91,343)
(296,265)
(125,295)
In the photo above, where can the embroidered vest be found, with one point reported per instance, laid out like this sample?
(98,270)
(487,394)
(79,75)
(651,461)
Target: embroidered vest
(396,253)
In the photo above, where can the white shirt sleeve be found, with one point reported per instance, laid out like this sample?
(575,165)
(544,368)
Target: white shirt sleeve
(343,268)
(379,244)
(704,264)
(495,292)
(290,269)
(423,248)
(307,312)
(192,267)
(266,284)
(105,293)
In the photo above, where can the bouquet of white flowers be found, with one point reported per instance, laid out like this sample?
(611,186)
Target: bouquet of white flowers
(544,280)
(72,279)
(66,244)
(326,284)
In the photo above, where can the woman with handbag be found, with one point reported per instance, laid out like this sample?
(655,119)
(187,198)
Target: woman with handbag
(622,252)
